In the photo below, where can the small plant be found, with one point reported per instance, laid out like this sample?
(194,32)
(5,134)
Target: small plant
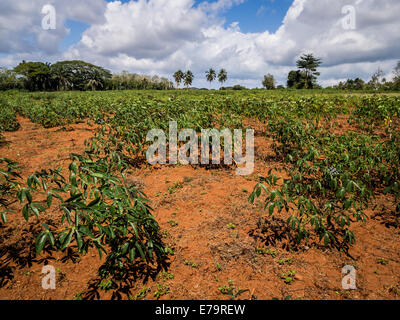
(161,290)
(231,291)
(265,252)
(218,266)
(106,285)
(169,251)
(168,276)
(79,295)
(175,187)
(191,264)
(231,226)
(142,293)
(288,277)
(164,234)
(395,289)
(288,261)
(383,261)
(173,223)
(286,298)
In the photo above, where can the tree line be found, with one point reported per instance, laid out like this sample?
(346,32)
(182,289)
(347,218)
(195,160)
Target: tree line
(188,77)
(75,75)
(305,77)
(80,75)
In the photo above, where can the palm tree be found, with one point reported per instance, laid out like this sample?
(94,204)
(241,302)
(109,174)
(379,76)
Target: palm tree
(93,83)
(188,78)
(178,76)
(222,76)
(211,75)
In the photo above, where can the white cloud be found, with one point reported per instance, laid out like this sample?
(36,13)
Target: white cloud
(161,36)
(21,29)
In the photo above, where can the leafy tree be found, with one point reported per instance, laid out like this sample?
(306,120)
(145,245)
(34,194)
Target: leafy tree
(188,79)
(269,82)
(211,75)
(396,79)
(179,76)
(376,80)
(222,76)
(36,75)
(350,84)
(296,79)
(397,71)
(8,79)
(79,75)
(308,64)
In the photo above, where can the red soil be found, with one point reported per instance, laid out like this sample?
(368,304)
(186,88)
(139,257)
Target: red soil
(207,253)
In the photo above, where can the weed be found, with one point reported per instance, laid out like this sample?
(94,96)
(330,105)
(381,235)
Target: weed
(142,293)
(231,226)
(173,223)
(288,277)
(231,290)
(175,187)
(161,290)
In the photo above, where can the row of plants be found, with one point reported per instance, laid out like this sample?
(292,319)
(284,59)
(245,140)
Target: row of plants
(98,208)
(332,179)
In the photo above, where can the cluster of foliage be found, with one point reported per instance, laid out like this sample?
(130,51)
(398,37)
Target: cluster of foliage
(187,78)
(65,75)
(269,82)
(306,75)
(377,82)
(211,75)
(127,81)
(74,75)
(331,178)
(99,208)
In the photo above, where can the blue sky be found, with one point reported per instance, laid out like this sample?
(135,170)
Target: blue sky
(76,29)
(258,15)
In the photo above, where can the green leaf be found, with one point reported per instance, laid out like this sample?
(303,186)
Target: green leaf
(140,250)
(40,242)
(68,239)
(4,217)
(25,212)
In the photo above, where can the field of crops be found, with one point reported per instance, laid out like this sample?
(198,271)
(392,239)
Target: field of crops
(77,193)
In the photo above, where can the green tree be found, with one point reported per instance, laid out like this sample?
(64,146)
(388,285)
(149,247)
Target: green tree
(308,64)
(36,75)
(94,84)
(396,79)
(296,79)
(179,76)
(222,76)
(376,80)
(79,75)
(8,79)
(188,78)
(211,75)
(269,82)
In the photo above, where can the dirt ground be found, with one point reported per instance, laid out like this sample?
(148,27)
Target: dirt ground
(213,230)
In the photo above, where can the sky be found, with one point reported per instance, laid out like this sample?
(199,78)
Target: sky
(248,38)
